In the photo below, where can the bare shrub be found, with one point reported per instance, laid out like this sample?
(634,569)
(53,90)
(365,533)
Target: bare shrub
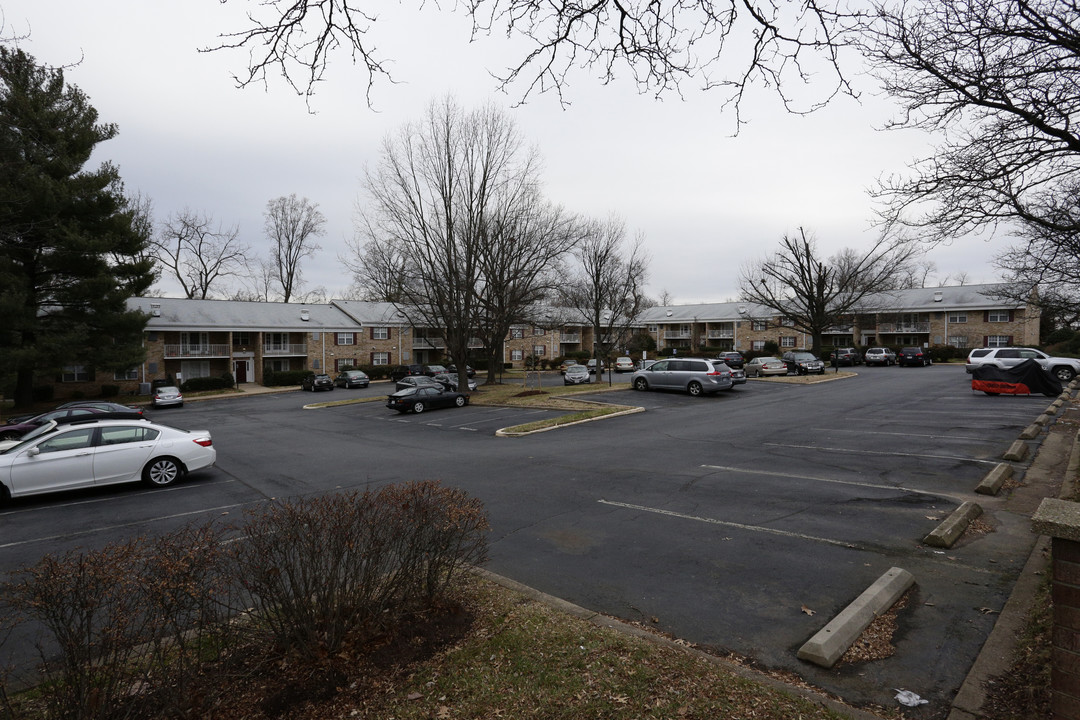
(317,570)
(113,624)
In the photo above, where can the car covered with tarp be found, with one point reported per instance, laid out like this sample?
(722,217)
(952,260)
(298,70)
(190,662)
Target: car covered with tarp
(1026,378)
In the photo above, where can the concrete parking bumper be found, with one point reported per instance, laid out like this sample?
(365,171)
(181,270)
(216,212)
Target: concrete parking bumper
(830,643)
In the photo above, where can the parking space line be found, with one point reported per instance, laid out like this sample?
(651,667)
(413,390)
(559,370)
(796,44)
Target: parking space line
(921,435)
(105,528)
(875,486)
(740,526)
(112,498)
(884,452)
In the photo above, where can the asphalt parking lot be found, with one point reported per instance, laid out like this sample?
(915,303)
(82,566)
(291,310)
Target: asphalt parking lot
(743,521)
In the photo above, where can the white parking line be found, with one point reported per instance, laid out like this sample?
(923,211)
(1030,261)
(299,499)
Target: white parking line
(105,528)
(923,435)
(770,473)
(883,452)
(112,498)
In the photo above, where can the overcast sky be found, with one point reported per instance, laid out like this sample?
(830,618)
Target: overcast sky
(706,202)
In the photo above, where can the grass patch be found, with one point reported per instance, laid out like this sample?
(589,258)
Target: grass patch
(500,654)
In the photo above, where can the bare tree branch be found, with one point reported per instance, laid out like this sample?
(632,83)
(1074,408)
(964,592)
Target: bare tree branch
(292,223)
(197,255)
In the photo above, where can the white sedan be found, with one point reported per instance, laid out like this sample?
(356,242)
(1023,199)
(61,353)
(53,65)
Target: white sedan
(88,453)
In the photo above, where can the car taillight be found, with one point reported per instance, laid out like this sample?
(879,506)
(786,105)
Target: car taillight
(204,441)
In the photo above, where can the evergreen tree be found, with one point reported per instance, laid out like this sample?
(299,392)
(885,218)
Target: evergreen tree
(70,253)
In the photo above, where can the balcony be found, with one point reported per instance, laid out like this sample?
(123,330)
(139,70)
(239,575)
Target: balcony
(721,335)
(569,337)
(676,335)
(916,327)
(197,351)
(428,342)
(284,349)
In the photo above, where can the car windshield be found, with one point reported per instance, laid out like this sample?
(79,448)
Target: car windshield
(32,435)
(804,356)
(405,392)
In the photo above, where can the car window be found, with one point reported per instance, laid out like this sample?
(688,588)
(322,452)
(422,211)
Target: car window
(122,435)
(72,440)
(661,365)
(1008,353)
(1025,353)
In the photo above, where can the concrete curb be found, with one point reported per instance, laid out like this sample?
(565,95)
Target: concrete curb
(742,671)
(995,479)
(1016,452)
(502,432)
(1030,432)
(949,531)
(833,640)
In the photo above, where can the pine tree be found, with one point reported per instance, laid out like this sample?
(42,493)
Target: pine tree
(70,254)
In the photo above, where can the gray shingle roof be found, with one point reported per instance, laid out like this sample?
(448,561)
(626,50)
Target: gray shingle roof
(185,314)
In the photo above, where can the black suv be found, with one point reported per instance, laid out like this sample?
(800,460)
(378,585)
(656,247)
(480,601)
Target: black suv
(913,356)
(317,381)
(732,358)
(399,371)
(845,356)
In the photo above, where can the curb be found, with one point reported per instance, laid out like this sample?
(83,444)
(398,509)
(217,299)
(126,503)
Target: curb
(995,479)
(833,640)
(949,531)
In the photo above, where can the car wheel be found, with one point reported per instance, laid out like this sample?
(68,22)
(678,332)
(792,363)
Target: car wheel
(161,472)
(418,407)
(694,389)
(460,401)
(641,384)
(1064,374)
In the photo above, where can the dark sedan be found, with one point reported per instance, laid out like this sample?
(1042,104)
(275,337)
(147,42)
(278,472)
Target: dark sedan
(450,381)
(17,430)
(102,405)
(352,378)
(425,397)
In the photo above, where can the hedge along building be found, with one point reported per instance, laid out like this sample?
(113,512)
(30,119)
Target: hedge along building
(961,316)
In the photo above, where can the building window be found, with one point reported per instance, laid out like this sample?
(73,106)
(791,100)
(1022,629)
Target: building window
(957,317)
(132,374)
(380,358)
(539,350)
(380,333)
(75,373)
(759,325)
(787,341)
(195,369)
(997,341)
(999,316)
(342,363)
(515,355)
(346,338)
(787,322)
(241,338)
(654,328)
(757,345)
(538,331)
(278,365)
(959,341)
(516,333)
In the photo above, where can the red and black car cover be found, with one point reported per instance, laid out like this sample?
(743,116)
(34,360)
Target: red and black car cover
(1027,378)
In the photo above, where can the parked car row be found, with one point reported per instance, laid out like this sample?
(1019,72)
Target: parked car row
(1064,369)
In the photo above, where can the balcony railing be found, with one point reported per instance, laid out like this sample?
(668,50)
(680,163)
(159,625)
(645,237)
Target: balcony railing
(197,351)
(570,337)
(721,334)
(676,335)
(918,327)
(840,330)
(428,342)
(285,349)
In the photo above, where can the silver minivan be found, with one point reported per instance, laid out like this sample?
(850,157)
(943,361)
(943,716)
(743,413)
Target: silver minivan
(693,375)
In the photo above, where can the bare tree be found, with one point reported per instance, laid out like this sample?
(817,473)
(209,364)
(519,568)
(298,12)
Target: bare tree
(435,200)
(726,44)
(199,255)
(607,288)
(292,224)
(518,258)
(916,274)
(997,81)
(815,294)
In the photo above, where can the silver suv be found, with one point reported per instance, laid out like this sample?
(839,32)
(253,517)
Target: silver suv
(693,375)
(1064,369)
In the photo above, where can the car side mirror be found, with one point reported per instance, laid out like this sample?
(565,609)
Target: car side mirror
(33,452)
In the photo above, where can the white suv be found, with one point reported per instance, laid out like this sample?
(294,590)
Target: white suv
(1064,369)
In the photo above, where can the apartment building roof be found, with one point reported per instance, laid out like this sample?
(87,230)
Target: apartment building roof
(959,297)
(187,314)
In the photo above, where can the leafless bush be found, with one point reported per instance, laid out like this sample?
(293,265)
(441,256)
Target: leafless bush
(317,570)
(120,627)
